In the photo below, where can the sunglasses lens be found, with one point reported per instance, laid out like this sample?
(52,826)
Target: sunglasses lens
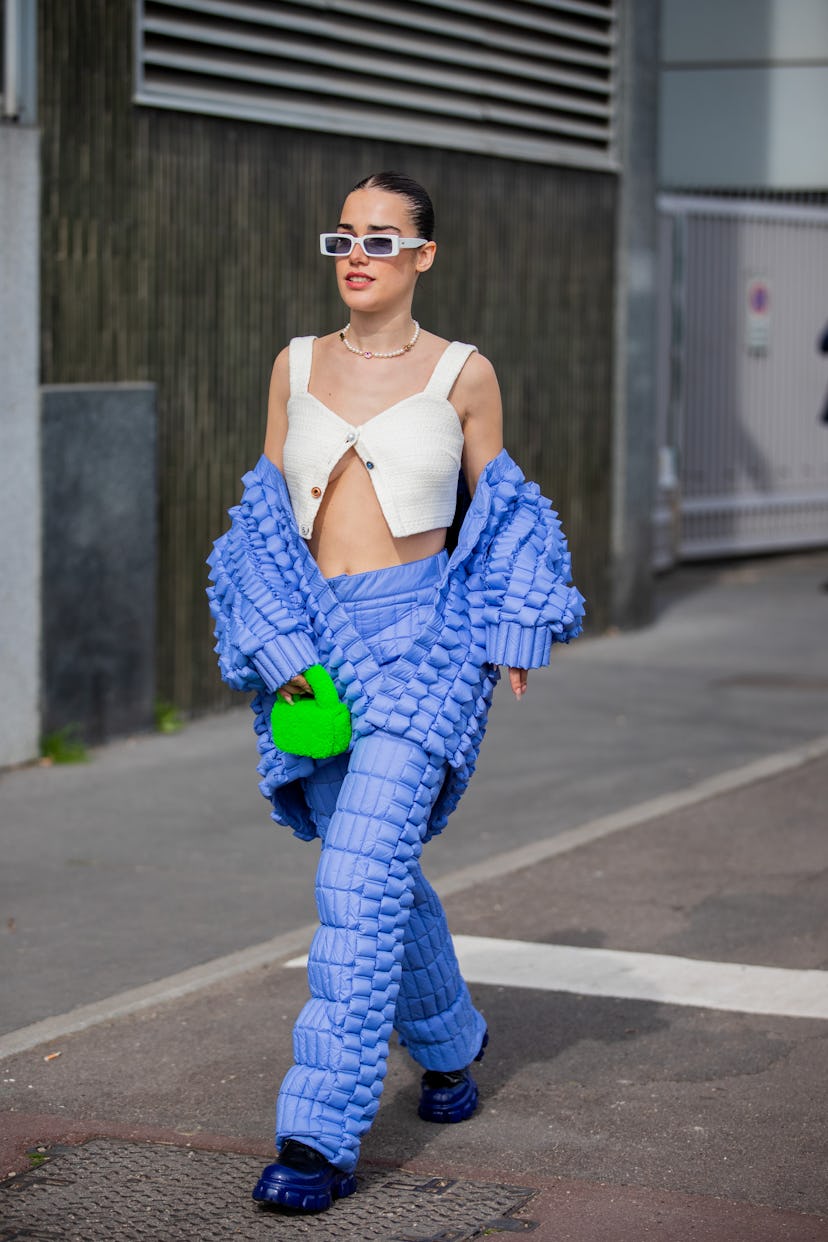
(378,245)
(338,244)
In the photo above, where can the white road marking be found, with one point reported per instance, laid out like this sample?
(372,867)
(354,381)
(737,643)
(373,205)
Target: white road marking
(186,982)
(646,976)
(769,990)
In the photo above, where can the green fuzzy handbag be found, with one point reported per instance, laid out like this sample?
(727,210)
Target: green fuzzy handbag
(317,727)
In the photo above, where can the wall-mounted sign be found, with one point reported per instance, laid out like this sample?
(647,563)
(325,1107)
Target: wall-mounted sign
(757,315)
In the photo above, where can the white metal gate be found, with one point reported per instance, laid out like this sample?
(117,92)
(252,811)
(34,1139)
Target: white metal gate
(743,299)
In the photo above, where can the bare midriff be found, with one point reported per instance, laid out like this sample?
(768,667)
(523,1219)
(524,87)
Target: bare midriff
(350,533)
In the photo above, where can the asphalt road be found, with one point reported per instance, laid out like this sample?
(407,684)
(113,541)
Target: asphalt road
(621,1113)
(159,855)
(631,1098)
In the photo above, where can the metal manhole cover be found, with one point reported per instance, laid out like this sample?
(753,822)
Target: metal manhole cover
(107,1190)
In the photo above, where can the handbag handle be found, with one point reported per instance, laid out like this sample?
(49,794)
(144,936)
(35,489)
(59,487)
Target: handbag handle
(322,685)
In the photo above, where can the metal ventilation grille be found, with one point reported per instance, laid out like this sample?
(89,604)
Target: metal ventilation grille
(528,80)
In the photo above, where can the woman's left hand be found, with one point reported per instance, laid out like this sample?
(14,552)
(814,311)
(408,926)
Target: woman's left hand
(518,679)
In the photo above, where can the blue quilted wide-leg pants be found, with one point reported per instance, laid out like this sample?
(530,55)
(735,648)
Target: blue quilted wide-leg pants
(382,957)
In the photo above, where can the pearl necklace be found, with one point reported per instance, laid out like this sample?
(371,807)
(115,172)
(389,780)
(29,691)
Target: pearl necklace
(370,353)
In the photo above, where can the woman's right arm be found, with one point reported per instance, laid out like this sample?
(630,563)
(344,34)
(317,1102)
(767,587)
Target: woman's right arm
(277,399)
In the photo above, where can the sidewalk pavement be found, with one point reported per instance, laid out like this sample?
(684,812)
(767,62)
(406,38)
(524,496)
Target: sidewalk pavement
(654,975)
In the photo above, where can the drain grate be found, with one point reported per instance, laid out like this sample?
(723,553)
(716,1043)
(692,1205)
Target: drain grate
(107,1190)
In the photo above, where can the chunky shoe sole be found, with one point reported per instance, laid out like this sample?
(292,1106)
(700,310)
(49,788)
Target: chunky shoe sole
(451,1101)
(446,1105)
(285,1193)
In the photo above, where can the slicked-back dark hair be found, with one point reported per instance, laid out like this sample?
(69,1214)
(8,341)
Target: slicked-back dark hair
(421,206)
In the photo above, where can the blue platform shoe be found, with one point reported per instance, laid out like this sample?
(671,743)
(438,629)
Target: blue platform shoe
(302,1180)
(452,1096)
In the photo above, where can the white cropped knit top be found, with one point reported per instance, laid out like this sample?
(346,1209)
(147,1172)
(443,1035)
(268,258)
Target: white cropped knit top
(411,450)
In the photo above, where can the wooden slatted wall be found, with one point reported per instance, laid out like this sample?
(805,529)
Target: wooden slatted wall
(181,249)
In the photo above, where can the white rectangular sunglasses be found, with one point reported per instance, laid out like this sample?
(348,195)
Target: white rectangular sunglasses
(375,245)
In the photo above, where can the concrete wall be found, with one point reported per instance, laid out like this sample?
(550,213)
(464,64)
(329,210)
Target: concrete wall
(99,564)
(19,443)
(744,94)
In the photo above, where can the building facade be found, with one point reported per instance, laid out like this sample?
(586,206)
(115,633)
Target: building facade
(190,154)
(743,164)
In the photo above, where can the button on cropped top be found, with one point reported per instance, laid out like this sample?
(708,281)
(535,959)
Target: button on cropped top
(411,450)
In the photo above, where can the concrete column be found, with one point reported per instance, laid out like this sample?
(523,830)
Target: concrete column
(634,447)
(99,564)
(19,443)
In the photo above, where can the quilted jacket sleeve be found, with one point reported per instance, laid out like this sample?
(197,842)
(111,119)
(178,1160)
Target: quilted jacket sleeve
(530,601)
(263,637)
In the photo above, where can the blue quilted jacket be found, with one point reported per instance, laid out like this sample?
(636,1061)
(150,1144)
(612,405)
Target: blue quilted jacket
(505,598)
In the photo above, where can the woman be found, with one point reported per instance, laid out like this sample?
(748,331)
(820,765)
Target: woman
(336,557)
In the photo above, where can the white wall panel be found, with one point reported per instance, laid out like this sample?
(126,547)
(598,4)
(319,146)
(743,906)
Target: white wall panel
(744,128)
(743,31)
(19,444)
